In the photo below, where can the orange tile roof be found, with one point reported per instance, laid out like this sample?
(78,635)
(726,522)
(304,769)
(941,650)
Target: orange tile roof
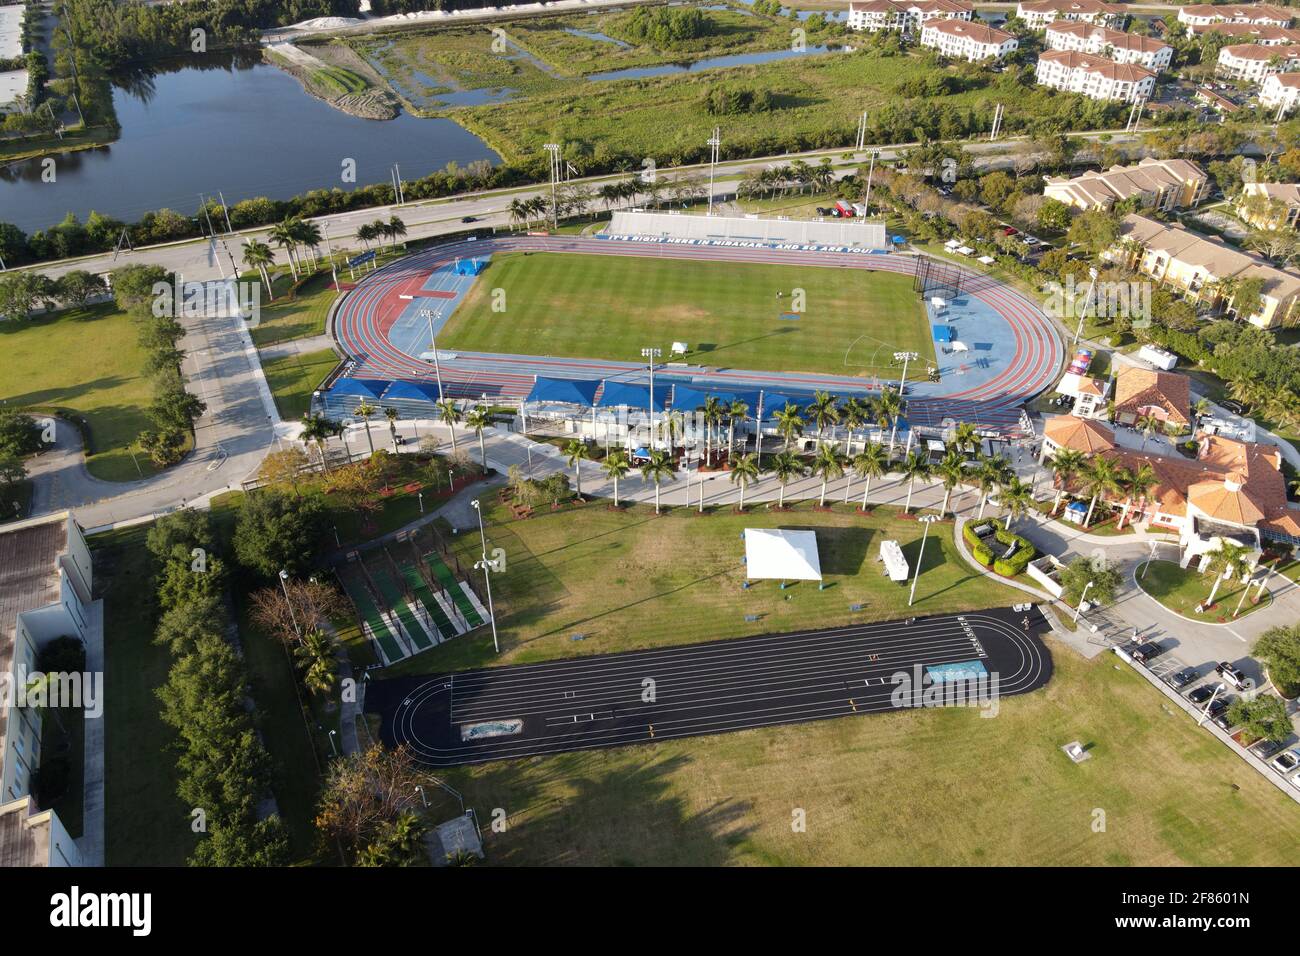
(1137,387)
(1080,434)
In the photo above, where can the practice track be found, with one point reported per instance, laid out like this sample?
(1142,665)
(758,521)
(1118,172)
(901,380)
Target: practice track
(360,322)
(598,701)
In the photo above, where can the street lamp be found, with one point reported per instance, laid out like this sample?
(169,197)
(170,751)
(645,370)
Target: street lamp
(284,585)
(487,573)
(1081,597)
(333,749)
(420,790)
(926,520)
(650,355)
(1155,545)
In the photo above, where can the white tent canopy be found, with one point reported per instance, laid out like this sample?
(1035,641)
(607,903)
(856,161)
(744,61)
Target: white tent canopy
(781,555)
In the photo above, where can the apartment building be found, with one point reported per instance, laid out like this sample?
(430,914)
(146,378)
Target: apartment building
(876,15)
(960,39)
(45,593)
(1259,14)
(1198,266)
(1163,184)
(1250,32)
(1252,62)
(1151,54)
(1094,76)
(1037,14)
(1273,205)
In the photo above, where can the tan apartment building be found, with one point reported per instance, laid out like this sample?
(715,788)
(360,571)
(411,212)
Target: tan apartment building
(1156,183)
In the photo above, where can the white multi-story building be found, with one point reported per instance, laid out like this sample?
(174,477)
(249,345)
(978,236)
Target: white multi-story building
(1252,62)
(1037,14)
(1279,91)
(1094,76)
(1264,34)
(1121,47)
(876,15)
(1260,14)
(967,41)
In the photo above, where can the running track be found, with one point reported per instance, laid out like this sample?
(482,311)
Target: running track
(599,701)
(366,312)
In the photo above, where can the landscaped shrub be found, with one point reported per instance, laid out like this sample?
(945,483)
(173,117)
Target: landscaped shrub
(971,535)
(1020,558)
(982,554)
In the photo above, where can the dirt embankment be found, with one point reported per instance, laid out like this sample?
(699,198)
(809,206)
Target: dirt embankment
(334,73)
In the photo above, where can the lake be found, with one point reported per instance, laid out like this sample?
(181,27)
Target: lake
(225,123)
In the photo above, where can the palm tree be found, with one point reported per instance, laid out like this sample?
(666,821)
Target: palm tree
(952,471)
(1149,423)
(396,229)
(319,430)
(966,436)
(575,453)
(319,659)
(366,233)
(449,415)
(309,234)
(520,211)
(478,418)
(828,465)
(737,411)
(1100,476)
(789,423)
(786,465)
(616,466)
(993,472)
(258,255)
(658,467)
(1066,465)
(854,413)
(1016,498)
(1228,560)
(282,234)
(365,410)
(823,411)
(915,465)
(1137,483)
(392,414)
(871,462)
(744,470)
(711,411)
(888,408)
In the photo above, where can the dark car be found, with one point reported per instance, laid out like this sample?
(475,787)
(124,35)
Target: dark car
(1219,711)
(469,218)
(1147,652)
(1199,695)
(1183,677)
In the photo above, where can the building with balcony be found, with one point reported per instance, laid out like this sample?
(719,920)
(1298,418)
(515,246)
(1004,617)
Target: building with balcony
(876,15)
(1154,55)
(1163,184)
(1095,77)
(962,40)
(1037,14)
(1252,62)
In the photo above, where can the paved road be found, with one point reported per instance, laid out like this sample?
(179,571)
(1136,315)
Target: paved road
(696,689)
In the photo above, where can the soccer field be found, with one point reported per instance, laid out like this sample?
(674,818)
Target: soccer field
(610,307)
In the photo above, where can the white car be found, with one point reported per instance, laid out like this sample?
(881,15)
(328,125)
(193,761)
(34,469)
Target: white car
(1286,761)
(1295,779)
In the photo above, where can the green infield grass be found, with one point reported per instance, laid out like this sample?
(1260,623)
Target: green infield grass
(610,307)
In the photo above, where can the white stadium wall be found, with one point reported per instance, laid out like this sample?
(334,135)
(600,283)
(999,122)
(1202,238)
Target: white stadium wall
(835,232)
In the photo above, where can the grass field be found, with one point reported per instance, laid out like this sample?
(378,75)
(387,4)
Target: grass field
(934,787)
(82,363)
(1181,590)
(297,315)
(628,580)
(610,307)
(292,379)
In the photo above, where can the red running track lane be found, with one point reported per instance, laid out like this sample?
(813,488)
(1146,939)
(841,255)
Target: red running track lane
(368,311)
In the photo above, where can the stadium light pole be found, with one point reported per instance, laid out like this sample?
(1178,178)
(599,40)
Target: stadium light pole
(871,169)
(650,355)
(1083,311)
(433,346)
(904,357)
(487,573)
(926,520)
(554,150)
(715,143)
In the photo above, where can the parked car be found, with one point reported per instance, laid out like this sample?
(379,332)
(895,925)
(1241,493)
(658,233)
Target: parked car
(1286,761)
(1146,653)
(1295,779)
(1219,711)
(1264,748)
(1231,676)
(1183,677)
(1199,695)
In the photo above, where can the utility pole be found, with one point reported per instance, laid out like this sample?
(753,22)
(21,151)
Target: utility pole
(554,150)
(1083,310)
(486,566)
(862,132)
(650,355)
(715,144)
(997,122)
(1135,115)
(871,169)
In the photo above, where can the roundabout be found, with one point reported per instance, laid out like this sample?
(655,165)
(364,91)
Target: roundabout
(384,324)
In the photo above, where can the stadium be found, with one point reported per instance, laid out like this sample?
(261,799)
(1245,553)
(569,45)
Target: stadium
(558,325)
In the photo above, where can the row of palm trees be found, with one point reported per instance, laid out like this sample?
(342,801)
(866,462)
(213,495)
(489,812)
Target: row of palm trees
(1099,477)
(393,229)
(301,238)
(786,177)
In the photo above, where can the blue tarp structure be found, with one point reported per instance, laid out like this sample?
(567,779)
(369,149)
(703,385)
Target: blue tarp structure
(775,401)
(943,333)
(569,391)
(360,387)
(687,399)
(416,391)
(469,267)
(617,394)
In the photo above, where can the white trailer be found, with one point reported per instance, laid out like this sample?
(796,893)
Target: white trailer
(1158,357)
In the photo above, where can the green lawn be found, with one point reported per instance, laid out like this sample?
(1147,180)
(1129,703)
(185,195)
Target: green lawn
(630,580)
(1181,590)
(293,378)
(82,364)
(299,314)
(610,307)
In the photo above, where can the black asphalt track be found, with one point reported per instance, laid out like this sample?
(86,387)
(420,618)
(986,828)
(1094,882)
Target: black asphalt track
(611,700)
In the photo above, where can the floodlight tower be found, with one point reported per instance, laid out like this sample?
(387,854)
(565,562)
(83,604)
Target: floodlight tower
(926,520)
(554,150)
(650,355)
(715,145)
(904,357)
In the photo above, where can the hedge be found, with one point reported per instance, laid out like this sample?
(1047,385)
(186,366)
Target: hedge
(1016,564)
(982,554)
